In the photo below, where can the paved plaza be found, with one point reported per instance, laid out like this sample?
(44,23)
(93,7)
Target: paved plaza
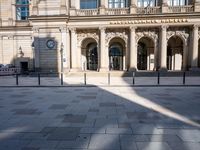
(102,118)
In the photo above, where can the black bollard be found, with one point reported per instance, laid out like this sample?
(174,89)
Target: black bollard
(158,77)
(133,77)
(38,78)
(108,78)
(184,77)
(17,79)
(61,79)
(85,78)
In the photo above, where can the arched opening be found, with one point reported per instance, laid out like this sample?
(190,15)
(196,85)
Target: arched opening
(175,53)
(89,55)
(116,54)
(145,54)
(199,53)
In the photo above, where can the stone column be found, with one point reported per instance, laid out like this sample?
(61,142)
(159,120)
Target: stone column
(64,32)
(133,50)
(163,53)
(102,7)
(197,5)
(164,6)
(1,50)
(103,51)
(63,9)
(194,60)
(74,51)
(155,55)
(34,7)
(133,7)
(68,54)
(73,7)
(36,49)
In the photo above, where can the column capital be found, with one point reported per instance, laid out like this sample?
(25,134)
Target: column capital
(35,29)
(196,26)
(72,29)
(132,28)
(164,27)
(63,29)
(102,29)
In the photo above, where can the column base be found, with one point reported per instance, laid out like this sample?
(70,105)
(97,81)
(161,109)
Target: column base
(103,70)
(75,70)
(163,70)
(196,69)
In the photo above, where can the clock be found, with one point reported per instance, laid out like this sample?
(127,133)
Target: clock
(50,44)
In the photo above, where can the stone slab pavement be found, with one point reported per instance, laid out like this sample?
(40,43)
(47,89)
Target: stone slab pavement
(100,118)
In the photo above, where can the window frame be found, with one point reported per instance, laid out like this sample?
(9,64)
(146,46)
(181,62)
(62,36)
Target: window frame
(118,3)
(149,4)
(87,1)
(180,3)
(22,10)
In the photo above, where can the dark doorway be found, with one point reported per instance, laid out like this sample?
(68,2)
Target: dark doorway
(116,57)
(142,56)
(24,67)
(92,57)
(169,58)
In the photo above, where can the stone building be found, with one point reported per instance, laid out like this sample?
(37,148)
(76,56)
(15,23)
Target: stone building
(100,35)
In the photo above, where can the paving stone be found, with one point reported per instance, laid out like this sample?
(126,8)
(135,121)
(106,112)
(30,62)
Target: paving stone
(93,110)
(64,133)
(58,106)
(93,130)
(164,138)
(128,145)
(30,148)
(119,131)
(70,118)
(153,146)
(43,144)
(33,136)
(134,138)
(124,125)
(84,97)
(189,135)
(21,102)
(26,111)
(107,104)
(184,145)
(104,141)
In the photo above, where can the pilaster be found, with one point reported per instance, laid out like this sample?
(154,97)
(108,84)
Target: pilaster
(1,50)
(164,6)
(163,52)
(197,5)
(36,49)
(102,8)
(103,50)
(194,59)
(63,8)
(133,50)
(133,7)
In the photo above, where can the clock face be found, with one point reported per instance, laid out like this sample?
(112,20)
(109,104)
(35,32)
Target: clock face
(50,44)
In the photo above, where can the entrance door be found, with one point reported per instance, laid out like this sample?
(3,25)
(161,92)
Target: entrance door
(116,58)
(24,67)
(142,57)
(92,59)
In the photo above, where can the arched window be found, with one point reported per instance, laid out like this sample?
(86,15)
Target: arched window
(89,4)
(177,2)
(117,3)
(22,9)
(146,3)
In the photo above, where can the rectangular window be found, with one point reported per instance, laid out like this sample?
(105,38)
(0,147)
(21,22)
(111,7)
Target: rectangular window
(146,3)
(117,3)
(22,9)
(177,2)
(88,4)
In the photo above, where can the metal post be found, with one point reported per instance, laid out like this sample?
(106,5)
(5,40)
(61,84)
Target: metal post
(38,78)
(108,78)
(184,77)
(158,77)
(133,77)
(85,78)
(61,78)
(17,80)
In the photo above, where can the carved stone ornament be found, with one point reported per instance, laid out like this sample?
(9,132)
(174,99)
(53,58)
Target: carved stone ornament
(83,34)
(114,33)
(182,34)
(198,34)
(152,34)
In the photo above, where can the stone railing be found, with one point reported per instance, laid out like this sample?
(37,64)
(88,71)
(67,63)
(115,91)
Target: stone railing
(87,12)
(117,11)
(180,9)
(148,10)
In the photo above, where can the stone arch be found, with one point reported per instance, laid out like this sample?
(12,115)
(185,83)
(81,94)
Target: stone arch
(175,53)
(145,53)
(117,53)
(89,54)
(182,35)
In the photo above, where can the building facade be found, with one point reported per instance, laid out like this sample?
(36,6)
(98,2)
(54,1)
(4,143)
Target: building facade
(100,35)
